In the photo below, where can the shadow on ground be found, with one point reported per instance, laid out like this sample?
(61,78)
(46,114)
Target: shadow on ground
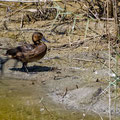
(34,69)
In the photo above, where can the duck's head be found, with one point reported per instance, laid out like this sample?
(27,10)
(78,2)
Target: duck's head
(37,37)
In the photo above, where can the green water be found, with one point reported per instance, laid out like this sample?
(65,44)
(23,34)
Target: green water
(23,100)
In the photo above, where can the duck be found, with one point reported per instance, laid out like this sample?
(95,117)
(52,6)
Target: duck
(29,52)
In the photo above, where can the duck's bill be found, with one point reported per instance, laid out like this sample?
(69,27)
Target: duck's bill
(44,40)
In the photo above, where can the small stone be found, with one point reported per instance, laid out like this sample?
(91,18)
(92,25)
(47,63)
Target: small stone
(33,83)
(97,80)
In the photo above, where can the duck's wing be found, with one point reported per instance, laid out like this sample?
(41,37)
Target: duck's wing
(15,51)
(27,47)
(37,51)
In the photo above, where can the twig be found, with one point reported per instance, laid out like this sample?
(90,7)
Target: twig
(86,60)
(5,25)
(22,23)
(30,10)
(47,109)
(65,93)
(91,12)
(86,29)
(108,19)
(98,114)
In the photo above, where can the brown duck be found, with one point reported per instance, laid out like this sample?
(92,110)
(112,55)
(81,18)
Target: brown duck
(29,52)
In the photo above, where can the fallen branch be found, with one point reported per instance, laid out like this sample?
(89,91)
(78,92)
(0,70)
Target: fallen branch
(69,45)
(1,4)
(28,29)
(18,10)
(74,44)
(107,19)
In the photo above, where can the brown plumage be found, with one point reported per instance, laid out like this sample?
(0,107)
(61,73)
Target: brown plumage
(29,52)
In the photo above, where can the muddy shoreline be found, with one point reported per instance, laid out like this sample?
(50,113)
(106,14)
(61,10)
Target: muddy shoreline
(73,83)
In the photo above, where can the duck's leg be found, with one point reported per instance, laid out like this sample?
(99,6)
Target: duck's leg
(15,64)
(24,67)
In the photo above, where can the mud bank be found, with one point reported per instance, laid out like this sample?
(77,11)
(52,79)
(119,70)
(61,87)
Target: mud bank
(74,80)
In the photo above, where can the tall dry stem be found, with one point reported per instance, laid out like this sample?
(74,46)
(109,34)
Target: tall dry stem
(116,12)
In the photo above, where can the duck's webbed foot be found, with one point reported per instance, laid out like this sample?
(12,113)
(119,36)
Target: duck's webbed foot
(24,67)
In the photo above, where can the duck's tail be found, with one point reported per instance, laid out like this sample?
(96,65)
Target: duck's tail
(11,52)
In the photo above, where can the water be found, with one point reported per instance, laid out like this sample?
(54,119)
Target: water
(28,100)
